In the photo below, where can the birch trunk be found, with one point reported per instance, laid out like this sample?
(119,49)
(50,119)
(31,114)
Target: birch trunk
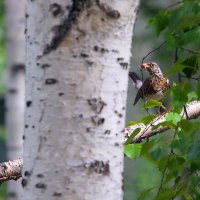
(76,87)
(15,11)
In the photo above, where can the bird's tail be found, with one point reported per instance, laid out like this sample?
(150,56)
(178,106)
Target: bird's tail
(137,82)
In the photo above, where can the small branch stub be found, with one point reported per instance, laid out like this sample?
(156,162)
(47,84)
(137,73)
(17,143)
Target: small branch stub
(11,170)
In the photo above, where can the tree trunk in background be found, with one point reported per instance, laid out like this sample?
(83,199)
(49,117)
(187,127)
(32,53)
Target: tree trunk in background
(76,87)
(15,10)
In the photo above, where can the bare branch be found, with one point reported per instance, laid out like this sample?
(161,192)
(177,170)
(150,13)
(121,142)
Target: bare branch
(192,111)
(11,170)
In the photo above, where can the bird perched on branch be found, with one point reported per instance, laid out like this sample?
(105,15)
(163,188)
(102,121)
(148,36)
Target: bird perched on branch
(154,86)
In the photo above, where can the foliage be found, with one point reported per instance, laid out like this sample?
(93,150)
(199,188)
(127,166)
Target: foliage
(176,157)
(3,190)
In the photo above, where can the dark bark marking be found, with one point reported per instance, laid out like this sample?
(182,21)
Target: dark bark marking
(100,167)
(26,126)
(23,137)
(96,104)
(24,182)
(12,91)
(28,103)
(115,51)
(97,120)
(120,59)
(51,81)
(80,115)
(41,185)
(57,194)
(84,54)
(100,49)
(112,13)
(40,175)
(17,68)
(107,132)
(124,65)
(119,114)
(60,94)
(44,66)
(90,63)
(12,195)
(56,9)
(27,173)
(63,29)
(89,129)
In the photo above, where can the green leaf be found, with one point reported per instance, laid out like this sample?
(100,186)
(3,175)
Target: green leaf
(161,164)
(173,117)
(171,40)
(194,151)
(166,194)
(147,119)
(147,146)
(180,98)
(133,151)
(151,103)
(168,124)
(178,67)
(131,123)
(191,65)
(130,138)
(192,96)
(160,21)
(146,193)
(198,89)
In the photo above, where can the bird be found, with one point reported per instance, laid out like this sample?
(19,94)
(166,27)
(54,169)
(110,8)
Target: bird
(154,87)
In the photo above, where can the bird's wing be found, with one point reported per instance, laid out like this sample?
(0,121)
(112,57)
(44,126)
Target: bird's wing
(145,90)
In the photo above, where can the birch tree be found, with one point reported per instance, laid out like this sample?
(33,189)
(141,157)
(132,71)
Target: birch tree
(76,86)
(15,11)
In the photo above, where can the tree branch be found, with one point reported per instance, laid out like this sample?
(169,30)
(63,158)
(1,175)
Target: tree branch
(191,111)
(11,170)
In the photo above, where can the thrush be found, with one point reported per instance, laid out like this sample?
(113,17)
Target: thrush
(154,86)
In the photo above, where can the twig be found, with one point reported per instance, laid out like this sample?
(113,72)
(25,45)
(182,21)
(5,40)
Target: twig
(189,50)
(194,78)
(164,171)
(174,4)
(153,51)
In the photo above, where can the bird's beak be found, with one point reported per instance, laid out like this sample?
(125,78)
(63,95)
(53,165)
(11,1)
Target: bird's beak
(144,66)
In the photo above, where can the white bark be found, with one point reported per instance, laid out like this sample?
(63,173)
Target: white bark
(76,95)
(15,11)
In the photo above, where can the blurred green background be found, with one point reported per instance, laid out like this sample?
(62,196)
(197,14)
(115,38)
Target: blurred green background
(2,92)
